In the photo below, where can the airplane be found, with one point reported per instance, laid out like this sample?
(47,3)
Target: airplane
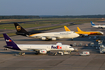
(46,36)
(85,33)
(97,26)
(39,48)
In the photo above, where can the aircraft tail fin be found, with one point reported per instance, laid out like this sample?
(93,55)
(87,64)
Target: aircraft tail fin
(20,30)
(92,23)
(66,28)
(79,30)
(10,43)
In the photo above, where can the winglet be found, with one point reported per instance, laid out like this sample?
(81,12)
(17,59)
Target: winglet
(10,43)
(66,28)
(92,23)
(79,30)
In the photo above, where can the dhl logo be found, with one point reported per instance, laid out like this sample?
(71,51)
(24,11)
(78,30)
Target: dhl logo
(93,33)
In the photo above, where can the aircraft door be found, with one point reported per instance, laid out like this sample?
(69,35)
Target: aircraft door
(64,47)
(48,47)
(67,35)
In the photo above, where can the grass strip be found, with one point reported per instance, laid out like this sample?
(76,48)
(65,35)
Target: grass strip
(9,34)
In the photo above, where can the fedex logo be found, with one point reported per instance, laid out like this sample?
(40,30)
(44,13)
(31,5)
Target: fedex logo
(8,40)
(56,47)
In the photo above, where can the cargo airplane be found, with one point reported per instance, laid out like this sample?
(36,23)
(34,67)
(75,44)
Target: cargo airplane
(46,36)
(85,33)
(40,48)
(97,26)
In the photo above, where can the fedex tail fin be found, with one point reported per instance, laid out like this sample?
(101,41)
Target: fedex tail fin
(10,43)
(92,24)
(20,30)
(79,30)
(66,28)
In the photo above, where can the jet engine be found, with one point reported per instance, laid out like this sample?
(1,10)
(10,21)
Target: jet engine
(43,51)
(101,27)
(53,38)
(43,38)
(86,35)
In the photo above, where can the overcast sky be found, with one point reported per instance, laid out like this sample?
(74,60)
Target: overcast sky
(52,7)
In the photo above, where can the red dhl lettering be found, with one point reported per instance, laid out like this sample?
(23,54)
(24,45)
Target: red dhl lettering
(93,33)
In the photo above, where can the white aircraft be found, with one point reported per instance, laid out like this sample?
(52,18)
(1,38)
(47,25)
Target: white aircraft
(97,26)
(40,48)
(46,36)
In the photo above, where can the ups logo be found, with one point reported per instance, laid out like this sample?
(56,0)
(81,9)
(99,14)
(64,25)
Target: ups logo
(18,28)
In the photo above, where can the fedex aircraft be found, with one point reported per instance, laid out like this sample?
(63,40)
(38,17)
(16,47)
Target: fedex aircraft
(97,26)
(40,48)
(46,36)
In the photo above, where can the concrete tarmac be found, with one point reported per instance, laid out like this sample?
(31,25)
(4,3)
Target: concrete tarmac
(96,61)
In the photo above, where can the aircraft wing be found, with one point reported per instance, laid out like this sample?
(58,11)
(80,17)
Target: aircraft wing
(36,49)
(47,37)
(39,50)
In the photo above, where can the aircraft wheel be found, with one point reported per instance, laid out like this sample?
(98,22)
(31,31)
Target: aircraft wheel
(71,39)
(36,52)
(5,48)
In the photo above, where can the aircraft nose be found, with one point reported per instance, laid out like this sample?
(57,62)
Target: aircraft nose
(72,49)
(102,33)
(77,35)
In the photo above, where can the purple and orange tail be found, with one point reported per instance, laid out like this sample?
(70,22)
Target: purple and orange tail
(10,43)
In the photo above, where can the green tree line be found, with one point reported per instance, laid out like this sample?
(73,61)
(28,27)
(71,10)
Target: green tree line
(18,17)
(81,16)
(50,16)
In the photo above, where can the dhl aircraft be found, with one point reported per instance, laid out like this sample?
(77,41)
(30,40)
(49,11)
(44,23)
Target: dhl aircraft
(39,48)
(46,36)
(97,26)
(85,33)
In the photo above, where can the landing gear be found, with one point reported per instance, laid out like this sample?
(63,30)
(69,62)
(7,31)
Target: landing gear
(101,27)
(72,39)
(5,48)
(36,52)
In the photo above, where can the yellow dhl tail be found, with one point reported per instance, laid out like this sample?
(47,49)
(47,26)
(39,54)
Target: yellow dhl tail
(79,30)
(66,28)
